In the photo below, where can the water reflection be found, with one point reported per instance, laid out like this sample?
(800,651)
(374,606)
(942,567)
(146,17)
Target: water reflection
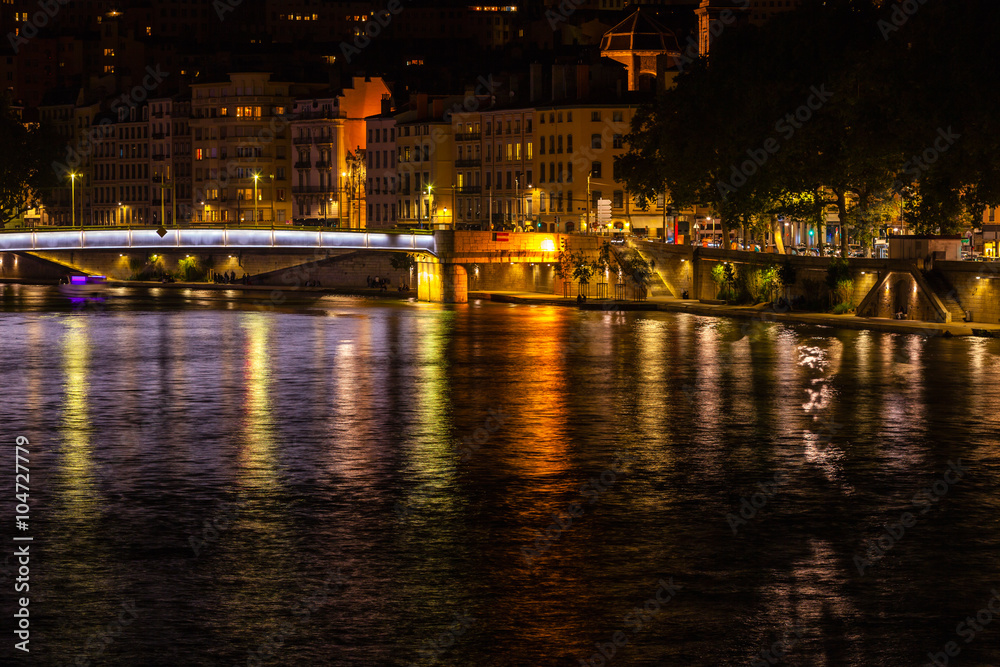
(338,431)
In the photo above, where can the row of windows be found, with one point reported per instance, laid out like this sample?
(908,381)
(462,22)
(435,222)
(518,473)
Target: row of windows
(388,134)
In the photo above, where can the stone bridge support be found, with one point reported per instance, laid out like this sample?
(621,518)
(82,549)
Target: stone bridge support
(445,283)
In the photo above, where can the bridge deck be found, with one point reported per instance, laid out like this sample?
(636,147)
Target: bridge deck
(209,238)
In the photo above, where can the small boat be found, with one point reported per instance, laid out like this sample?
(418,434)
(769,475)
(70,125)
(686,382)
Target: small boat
(85,286)
(986,333)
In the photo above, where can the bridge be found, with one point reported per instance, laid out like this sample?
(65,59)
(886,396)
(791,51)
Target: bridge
(201,239)
(449,263)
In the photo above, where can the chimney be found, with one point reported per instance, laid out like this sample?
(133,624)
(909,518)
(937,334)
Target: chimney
(558,82)
(536,84)
(582,81)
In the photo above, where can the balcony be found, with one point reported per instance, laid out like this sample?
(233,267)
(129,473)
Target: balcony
(303,165)
(302,140)
(475,162)
(324,165)
(157,114)
(158,158)
(324,139)
(468,136)
(316,115)
(159,135)
(313,190)
(470,190)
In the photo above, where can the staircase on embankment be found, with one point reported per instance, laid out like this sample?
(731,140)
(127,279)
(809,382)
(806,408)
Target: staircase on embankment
(947,294)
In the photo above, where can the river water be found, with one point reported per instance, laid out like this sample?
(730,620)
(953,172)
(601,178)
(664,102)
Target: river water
(216,480)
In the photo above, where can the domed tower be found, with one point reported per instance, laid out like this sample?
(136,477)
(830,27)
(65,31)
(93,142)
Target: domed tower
(640,42)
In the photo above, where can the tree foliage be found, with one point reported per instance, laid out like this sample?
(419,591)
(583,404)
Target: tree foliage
(843,103)
(25,154)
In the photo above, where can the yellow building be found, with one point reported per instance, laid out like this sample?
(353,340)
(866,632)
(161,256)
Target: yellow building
(425,171)
(241,146)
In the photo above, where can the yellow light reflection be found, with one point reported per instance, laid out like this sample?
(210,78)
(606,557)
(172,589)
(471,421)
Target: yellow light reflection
(78,464)
(258,458)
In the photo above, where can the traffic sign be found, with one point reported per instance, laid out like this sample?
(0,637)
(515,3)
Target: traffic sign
(603,210)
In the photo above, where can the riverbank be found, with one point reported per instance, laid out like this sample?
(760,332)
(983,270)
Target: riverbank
(670,304)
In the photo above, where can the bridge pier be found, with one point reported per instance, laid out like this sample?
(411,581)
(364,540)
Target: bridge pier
(443,283)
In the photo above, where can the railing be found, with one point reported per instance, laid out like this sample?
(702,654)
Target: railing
(312,189)
(323,165)
(474,162)
(303,165)
(159,135)
(468,136)
(158,158)
(302,140)
(215,236)
(470,190)
(324,139)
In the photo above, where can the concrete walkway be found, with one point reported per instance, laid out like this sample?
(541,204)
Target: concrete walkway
(670,304)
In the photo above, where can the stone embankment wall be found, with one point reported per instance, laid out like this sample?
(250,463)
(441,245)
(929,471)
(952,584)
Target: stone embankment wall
(976,284)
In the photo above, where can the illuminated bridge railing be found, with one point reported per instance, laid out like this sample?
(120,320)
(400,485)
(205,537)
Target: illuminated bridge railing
(208,238)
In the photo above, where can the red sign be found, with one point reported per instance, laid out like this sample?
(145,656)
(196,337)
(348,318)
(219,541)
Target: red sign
(503,237)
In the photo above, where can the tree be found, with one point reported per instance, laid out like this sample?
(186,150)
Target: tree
(25,155)
(403,262)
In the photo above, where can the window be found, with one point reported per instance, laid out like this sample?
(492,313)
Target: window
(569,143)
(552,118)
(595,169)
(595,116)
(488,128)
(617,141)
(559,177)
(595,141)
(541,145)
(198,154)
(541,174)
(617,199)
(569,172)
(529,181)
(559,144)
(527,154)
(569,116)
(616,116)
(527,126)
(541,118)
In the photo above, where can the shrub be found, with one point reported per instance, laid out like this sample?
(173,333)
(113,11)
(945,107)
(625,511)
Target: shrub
(843,308)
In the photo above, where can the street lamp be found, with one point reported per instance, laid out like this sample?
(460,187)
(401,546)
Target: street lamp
(340,198)
(72,201)
(256,177)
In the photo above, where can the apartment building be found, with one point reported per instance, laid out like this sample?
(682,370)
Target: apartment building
(425,171)
(328,138)
(380,155)
(242,157)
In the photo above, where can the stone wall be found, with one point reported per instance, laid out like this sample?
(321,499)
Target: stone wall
(978,287)
(22,267)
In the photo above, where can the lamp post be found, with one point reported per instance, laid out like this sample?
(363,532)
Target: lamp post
(72,201)
(256,177)
(340,198)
